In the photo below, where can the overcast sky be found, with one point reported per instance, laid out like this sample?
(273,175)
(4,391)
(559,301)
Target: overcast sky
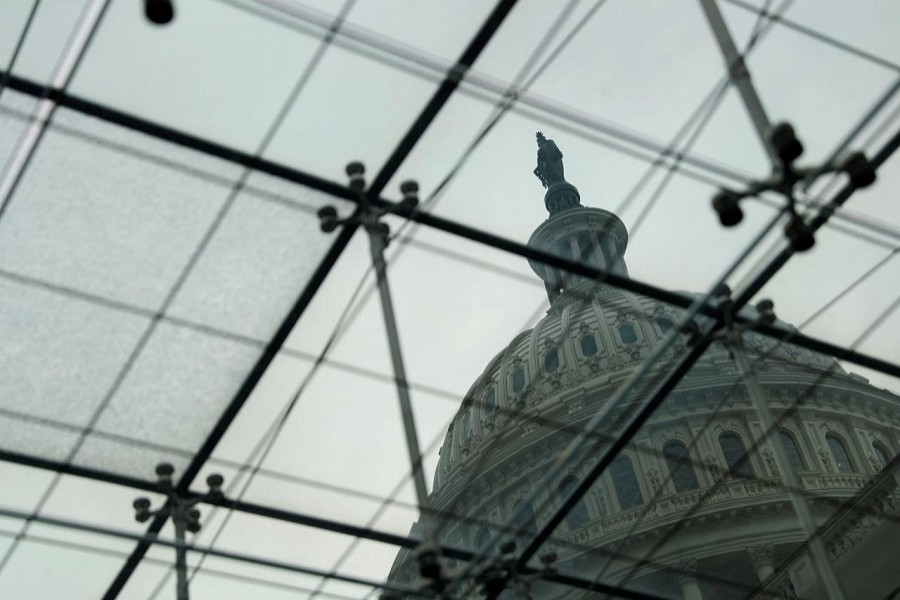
(641,66)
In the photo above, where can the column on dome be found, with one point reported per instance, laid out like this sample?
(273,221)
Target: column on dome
(762,557)
(686,577)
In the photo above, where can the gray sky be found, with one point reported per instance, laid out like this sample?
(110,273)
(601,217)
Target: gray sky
(641,66)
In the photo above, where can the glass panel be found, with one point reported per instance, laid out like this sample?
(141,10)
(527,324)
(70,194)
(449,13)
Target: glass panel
(172,396)
(97,217)
(367,115)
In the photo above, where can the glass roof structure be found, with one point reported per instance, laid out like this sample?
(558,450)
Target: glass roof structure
(189,276)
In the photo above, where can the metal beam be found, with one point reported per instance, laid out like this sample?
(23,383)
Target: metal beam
(441,96)
(175,136)
(740,76)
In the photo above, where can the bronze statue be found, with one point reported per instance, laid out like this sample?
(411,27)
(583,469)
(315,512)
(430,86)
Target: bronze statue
(549,162)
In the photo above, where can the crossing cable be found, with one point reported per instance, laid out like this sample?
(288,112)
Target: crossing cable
(19,43)
(819,36)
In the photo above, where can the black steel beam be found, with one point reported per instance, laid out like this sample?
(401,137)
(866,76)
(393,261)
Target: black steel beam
(441,96)
(174,136)
(70,469)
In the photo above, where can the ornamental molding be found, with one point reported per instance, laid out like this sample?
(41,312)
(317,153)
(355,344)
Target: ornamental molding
(685,572)
(761,555)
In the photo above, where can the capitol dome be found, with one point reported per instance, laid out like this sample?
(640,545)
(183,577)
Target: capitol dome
(694,506)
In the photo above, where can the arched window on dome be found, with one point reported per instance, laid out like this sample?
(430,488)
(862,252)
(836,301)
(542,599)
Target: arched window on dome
(578,516)
(518,379)
(490,401)
(627,333)
(524,519)
(839,452)
(735,456)
(881,453)
(665,324)
(625,482)
(466,427)
(679,462)
(551,360)
(588,344)
(481,538)
(791,451)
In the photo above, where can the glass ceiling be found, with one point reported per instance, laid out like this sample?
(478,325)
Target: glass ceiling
(167,295)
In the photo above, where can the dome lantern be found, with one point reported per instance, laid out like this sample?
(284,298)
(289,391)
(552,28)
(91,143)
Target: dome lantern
(592,236)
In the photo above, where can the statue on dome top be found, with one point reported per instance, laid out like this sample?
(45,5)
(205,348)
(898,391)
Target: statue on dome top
(549,162)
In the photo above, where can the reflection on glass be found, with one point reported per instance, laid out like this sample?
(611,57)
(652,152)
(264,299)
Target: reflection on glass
(735,457)
(678,461)
(625,482)
(839,453)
